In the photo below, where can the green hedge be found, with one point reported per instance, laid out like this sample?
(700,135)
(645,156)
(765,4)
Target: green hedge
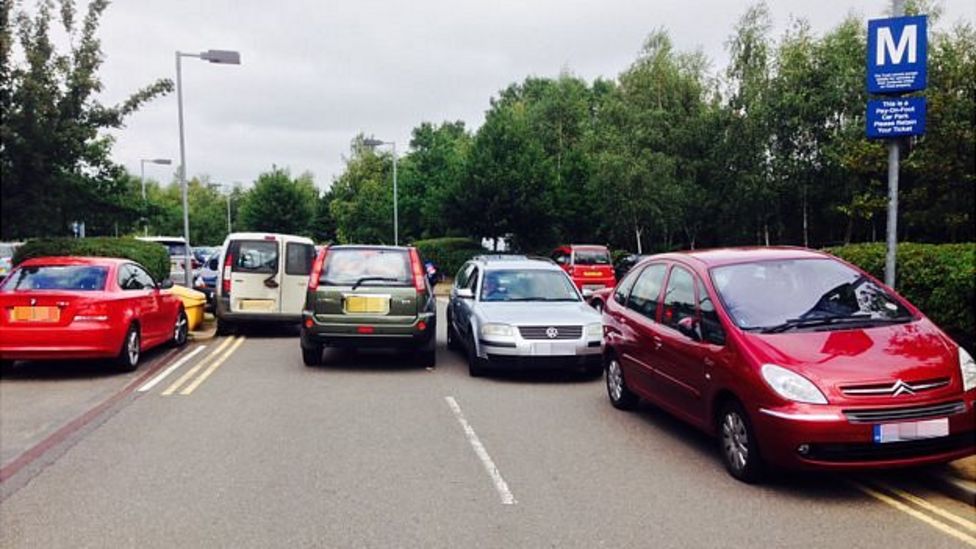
(939,279)
(150,255)
(448,253)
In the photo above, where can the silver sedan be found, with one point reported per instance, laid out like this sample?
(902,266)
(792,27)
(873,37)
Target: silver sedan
(522,313)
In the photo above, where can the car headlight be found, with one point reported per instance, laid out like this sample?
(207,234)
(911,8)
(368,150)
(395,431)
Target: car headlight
(968,369)
(791,385)
(497,330)
(594,330)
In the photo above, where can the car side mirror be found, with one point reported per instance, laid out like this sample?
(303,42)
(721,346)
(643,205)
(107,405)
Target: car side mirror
(689,327)
(465,293)
(165,284)
(587,293)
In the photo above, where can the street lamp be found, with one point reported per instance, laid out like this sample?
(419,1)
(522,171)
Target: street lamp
(142,180)
(373,143)
(223,57)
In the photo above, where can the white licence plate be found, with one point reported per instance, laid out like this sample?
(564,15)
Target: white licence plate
(912,430)
(553,349)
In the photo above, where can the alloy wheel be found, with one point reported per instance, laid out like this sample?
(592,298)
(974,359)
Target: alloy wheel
(180,330)
(615,380)
(735,440)
(132,347)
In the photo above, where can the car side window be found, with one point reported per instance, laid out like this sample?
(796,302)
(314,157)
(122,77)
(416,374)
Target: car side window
(145,279)
(622,290)
(298,258)
(647,289)
(462,277)
(473,280)
(679,298)
(711,326)
(133,277)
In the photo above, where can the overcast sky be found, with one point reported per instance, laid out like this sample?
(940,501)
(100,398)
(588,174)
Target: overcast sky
(316,73)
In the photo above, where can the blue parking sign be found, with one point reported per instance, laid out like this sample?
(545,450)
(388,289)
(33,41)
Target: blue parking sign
(895,117)
(897,54)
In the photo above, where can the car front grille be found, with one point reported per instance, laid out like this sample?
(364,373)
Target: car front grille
(551,332)
(851,452)
(897,388)
(905,413)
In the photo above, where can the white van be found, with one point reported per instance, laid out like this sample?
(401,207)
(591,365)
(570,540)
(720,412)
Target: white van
(263,278)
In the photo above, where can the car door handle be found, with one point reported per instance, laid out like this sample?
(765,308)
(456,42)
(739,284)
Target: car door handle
(658,343)
(709,362)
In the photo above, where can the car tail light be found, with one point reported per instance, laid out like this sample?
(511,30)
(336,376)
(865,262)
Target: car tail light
(313,279)
(225,283)
(365,329)
(95,312)
(418,271)
(421,325)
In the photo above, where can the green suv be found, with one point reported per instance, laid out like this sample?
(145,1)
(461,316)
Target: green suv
(369,296)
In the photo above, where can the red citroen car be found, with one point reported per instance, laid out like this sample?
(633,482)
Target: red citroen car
(792,357)
(588,265)
(86,307)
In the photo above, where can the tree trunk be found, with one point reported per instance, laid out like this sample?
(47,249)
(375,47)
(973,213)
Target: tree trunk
(637,235)
(766,232)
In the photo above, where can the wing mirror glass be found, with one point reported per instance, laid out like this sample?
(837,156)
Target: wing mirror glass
(465,293)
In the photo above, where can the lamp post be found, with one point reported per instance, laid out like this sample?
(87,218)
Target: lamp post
(223,57)
(142,181)
(373,143)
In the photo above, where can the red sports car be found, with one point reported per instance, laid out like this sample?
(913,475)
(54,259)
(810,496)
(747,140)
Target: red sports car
(791,357)
(86,307)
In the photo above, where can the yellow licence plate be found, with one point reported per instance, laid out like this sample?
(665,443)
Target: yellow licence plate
(367,304)
(591,273)
(260,305)
(35,314)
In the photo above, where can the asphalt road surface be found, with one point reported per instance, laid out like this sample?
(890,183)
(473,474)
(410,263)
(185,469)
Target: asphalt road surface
(241,445)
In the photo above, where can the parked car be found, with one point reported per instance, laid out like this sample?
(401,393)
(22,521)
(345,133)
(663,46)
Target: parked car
(588,266)
(205,278)
(793,358)
(176,248)
(264,277)
(369,296)
(201,253)
(516,312)
(86,307)
(7,250)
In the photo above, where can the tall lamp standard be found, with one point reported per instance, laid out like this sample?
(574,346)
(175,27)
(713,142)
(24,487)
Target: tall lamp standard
(142,180)
(223,57)
(373,143)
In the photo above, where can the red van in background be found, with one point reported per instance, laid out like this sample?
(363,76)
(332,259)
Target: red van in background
(588,265)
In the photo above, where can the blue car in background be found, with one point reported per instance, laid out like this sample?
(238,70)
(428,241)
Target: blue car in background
(206,277)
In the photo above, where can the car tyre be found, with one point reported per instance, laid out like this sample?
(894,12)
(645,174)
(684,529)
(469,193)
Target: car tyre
(181,329)
(476,365)
(621,397)
(737,444)
(452,337)
(225,328)
(313,356)
(131,351)
(6,366)
(426,356)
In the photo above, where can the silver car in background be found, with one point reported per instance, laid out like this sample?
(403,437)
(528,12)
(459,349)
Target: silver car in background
(518,312)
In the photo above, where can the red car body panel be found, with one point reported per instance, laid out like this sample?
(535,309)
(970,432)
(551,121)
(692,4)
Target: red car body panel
(154,310)
(587,275)
(690,379)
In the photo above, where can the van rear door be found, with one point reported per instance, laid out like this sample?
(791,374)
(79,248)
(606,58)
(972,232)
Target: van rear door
(255,280)
(294,285)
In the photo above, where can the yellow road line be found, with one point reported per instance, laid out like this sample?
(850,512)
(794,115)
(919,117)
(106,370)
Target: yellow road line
(213,367)
(912,498)
(189,373)
(884,498)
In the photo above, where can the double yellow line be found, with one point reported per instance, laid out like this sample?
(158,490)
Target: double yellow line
(910,504)
(227,348)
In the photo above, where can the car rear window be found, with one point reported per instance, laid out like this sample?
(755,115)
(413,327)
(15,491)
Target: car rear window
(367,267)
(254,256)
(57,277)
(592,257)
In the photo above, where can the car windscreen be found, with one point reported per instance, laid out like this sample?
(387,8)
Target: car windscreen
(366,267)
(592,257)
(774,295)
(174,249)
(57,277)
(527,285)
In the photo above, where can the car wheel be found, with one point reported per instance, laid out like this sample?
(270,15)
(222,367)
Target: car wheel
(737,442)
(452,338)
(225,328)
(128,359)
(476,366)
(181,329)
(313,356)
(426,356)
(620,396)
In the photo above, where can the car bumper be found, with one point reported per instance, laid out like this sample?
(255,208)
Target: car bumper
(821,437)
(222,311)
(79,340)
(318,331)
(594,283)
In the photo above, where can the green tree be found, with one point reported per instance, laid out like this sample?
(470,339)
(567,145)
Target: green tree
(278,203)
(55,160)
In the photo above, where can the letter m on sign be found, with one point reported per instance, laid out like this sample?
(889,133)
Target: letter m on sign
(897,54)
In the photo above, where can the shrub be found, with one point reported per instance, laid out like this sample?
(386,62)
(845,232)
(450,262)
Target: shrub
(448,253)
(939,279)
(150,255)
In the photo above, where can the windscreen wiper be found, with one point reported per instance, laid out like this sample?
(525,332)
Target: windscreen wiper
(795,323)
(374,279)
